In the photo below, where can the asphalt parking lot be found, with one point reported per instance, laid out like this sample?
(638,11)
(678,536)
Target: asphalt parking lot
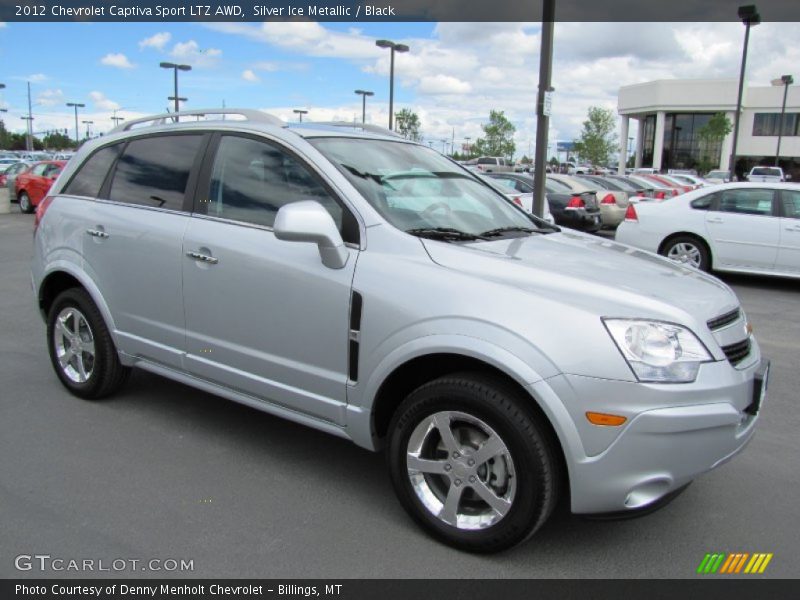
(164,471)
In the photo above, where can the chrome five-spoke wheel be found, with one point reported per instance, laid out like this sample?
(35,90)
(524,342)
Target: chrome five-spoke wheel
(74,345)
(461,470)
(472,462)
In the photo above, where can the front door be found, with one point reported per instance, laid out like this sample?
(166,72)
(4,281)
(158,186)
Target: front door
(789,252)
(264,316)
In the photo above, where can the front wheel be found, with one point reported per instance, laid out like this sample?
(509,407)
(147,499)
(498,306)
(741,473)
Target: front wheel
(25,204)
(472,464)
(689,251)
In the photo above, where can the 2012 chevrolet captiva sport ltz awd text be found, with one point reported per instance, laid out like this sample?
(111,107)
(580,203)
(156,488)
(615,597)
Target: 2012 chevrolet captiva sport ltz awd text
(369,287)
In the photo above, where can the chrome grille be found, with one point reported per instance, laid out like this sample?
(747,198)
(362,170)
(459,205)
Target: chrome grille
(737,352)
(723,320)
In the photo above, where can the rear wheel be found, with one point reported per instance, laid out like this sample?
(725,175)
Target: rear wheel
(471,463)
(25,204)
(688,250)
(81,349)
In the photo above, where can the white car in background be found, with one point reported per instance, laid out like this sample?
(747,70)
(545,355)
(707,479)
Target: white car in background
(718,176)
(737,227)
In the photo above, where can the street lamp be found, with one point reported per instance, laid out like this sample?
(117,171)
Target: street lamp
(300,112)
(87,123)
(175,67)
(76,106)
(750,17)
(394,47)
(364,94)
(785,81)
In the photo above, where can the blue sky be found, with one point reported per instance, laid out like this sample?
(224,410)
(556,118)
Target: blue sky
(453,76)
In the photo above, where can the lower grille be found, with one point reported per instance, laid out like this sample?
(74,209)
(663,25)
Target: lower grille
(737,352)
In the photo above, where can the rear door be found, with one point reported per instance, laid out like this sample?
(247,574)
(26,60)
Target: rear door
(133,240)
(788,260)
(744,229)
(265,316)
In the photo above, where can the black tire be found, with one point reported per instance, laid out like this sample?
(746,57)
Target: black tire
(107,373)
(704,256)
(25,204)
(534,455)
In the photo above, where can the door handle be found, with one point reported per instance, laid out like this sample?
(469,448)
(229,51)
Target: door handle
(714,220)
(97,233)
(202,257)
(793,228)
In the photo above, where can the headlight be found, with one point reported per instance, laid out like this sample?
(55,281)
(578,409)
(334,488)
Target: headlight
(658,352)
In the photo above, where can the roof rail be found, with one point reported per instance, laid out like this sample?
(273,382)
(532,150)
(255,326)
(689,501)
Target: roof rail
(155,120)
(362,126)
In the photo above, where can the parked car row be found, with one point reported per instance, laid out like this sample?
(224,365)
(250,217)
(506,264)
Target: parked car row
(29,182)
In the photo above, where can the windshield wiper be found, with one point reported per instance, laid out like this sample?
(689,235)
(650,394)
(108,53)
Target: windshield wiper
(444,233)
(501,230)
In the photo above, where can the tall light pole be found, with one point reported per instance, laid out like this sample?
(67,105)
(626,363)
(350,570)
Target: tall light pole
(785,81)
(364,94)
(76,106)
(175,67)
(300,112)
(750,17)
(87,123)
(467,139)
(393,47)
(542,109)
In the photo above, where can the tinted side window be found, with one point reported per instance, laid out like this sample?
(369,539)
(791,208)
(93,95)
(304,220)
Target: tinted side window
(746,201)
(153,171)
(39,169)
(705,202)
(487,161)
(90,176)
(251,180)
(791,204)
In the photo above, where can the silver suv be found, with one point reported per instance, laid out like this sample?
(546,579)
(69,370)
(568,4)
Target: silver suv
(369,287)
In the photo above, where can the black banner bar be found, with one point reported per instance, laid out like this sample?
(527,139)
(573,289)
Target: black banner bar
(388,10)
(708,588)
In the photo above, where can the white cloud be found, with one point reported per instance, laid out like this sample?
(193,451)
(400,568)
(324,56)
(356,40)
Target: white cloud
(191,53)
(50,97)
(36,78)
(306,37)
(249,75)
(119,61)
(100,101)
(443,84)
(3,24)
(157,41)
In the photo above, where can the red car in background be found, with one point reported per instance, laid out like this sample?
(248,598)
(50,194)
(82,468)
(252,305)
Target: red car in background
(32,186)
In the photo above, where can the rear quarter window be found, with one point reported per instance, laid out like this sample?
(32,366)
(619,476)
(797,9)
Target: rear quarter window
(90,176)
(703,203)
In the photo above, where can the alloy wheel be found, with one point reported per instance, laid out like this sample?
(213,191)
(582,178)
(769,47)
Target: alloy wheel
(74,345)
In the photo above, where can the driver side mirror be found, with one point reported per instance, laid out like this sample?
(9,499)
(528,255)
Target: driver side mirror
(308,221)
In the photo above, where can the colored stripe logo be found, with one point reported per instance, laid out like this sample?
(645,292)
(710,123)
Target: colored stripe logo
(733,563)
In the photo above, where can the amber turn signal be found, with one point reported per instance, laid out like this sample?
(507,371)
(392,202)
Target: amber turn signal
(604,419)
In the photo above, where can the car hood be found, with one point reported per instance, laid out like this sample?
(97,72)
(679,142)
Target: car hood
(592,274)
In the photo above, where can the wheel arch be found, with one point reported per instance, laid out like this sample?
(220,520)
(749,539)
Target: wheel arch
(420,369)
(63,277)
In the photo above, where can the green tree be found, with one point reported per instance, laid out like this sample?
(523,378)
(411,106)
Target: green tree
(499,137)
(5,137)
(710,137)
(57,141)
(408,125)
(598,138)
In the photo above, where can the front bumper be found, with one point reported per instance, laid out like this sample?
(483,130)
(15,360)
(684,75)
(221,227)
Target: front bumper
(674,433)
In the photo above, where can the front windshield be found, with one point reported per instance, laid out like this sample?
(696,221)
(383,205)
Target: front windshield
(419,191)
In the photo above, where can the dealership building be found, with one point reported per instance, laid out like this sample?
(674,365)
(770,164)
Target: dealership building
(671,112)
